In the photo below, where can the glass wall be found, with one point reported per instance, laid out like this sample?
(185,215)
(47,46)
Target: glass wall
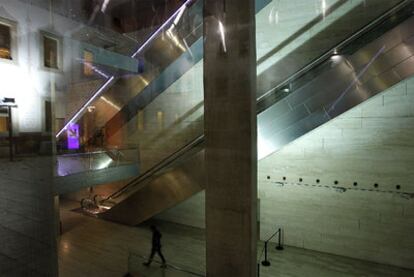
(102,105)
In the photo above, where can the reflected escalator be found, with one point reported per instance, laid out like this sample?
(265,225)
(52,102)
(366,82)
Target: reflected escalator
(364,64)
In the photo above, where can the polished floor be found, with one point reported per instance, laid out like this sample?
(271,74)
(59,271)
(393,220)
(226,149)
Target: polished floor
(92,247)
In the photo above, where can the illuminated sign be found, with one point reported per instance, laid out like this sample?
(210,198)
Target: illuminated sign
(73,136)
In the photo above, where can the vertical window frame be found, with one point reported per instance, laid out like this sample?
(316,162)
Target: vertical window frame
(13,40)
(45,34)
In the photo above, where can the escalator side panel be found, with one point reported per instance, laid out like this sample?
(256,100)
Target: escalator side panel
(161,192)
(329,98)
(337,89)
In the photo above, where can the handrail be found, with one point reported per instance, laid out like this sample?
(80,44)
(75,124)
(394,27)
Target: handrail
(96,152)
(195,29)
(329,53)
(299,73)
(168,160)
(111,80)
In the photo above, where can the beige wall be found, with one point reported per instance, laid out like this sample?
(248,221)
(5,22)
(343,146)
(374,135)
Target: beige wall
(371,144)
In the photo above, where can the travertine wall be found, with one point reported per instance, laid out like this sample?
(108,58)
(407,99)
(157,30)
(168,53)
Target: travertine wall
(370,144)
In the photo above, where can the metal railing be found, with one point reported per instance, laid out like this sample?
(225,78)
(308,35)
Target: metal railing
(313,64)
(279,247)
(95,160)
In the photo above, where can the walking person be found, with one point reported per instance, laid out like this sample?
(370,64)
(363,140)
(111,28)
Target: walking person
(156,247)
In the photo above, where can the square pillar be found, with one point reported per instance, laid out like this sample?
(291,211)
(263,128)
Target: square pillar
(231,137)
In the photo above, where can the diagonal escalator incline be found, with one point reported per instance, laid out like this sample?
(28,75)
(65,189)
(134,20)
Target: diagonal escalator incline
(370,62)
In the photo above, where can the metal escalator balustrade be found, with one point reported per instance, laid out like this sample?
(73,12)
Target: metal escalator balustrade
(173,27)
(155,145)
(343,80)
(143,50)
(105,101)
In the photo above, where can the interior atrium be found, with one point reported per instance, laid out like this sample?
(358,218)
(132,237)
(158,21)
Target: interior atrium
(219,138)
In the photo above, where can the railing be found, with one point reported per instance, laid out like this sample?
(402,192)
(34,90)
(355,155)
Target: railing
(94,160)
(94,209)
(278,88)
(337,48)
(279,247)
(167,161)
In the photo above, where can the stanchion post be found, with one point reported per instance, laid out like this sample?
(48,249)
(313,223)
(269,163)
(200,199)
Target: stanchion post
(266,261)
(279,244)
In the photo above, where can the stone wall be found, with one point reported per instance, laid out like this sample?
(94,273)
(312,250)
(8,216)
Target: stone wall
(355,198)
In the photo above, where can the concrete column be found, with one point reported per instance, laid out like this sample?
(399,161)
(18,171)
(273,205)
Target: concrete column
(230,128)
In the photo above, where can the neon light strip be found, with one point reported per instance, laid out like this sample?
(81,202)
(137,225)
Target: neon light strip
(106,84)
(177,12)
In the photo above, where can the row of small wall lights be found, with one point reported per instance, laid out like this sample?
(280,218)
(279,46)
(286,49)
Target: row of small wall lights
(398,187)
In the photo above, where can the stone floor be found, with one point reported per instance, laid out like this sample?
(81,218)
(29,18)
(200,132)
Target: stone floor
(92,247)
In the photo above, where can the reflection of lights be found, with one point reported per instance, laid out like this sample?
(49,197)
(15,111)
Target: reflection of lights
(99,91)
(335,56)
(105,5)
(274,15)
(355,81)
(168,21)
(188,48)
(109,81)
(180,14)
(104,164)
(91,108)
(104,207)
(223,36)
(176,41)
(110,103)
(264,146)
(323,6)
(94,68)
(65,246)
(145,81)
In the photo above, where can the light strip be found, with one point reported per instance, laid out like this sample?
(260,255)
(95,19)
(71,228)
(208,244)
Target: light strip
(106,84)
(110,103)
(105,5)
(356,80)
(177,12)
(179,15)
(223,36)
(94,68)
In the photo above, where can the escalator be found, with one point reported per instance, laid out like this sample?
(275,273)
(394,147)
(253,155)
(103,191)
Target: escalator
(357,68)
(172,57)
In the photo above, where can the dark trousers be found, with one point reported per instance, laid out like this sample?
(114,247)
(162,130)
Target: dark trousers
(158,251)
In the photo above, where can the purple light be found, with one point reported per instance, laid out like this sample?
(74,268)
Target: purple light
(107,83)
(73,136)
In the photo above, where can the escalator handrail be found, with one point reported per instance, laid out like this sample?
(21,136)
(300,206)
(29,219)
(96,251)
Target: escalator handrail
(333,50)
(159,166)
(299,73)
(111,80)
(97,152)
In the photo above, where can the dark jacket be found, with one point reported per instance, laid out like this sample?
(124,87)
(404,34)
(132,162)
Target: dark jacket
(156,239)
